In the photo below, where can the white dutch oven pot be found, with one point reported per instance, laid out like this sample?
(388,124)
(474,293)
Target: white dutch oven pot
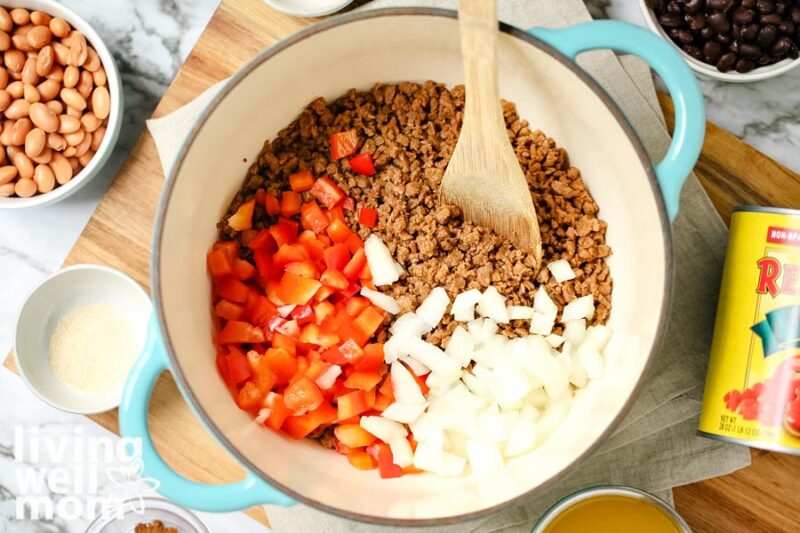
(536,71)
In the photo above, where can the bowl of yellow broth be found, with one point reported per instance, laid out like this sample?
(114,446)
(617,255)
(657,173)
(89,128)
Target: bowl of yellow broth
(611,509)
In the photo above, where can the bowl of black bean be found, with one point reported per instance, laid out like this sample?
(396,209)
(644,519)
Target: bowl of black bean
(730,40)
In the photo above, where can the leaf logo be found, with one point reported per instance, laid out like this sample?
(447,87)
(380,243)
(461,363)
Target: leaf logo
(128,485)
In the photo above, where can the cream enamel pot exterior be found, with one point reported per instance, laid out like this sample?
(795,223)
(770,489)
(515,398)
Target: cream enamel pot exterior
(537,72)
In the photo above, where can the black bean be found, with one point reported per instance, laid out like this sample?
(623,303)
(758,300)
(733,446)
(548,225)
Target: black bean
(684,36)
(764,60)
(693,6)
(765,6)
(781,47)
(767,36)
(736,32)
(750,32)
(793,52)
(744,16)
(693,51)
(696,22)
(726,62)
(674,7)
(720,5)
(724,39)
(655,5)
(771,19)
(796,15)
(787,26)
(669,20)
(780,8)
(712,51)
(734,47)
(749,51)
(720,22)
(707,33)
(748,3)
(744,66)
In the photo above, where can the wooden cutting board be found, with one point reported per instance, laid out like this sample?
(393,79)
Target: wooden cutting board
(762,497)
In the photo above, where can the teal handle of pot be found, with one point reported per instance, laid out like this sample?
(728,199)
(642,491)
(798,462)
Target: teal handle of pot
(690,122)
(133,424)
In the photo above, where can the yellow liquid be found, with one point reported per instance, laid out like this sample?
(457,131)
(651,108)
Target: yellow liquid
(613,514)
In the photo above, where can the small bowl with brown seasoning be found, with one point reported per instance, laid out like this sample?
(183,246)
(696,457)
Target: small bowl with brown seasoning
(730,40)
(61,101)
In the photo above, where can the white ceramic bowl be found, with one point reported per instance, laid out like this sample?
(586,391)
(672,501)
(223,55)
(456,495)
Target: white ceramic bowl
(114,84)
(308,8)
(710,71)
(41,311)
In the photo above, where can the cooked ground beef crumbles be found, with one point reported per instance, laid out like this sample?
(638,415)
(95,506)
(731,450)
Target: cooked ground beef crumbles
(411,130)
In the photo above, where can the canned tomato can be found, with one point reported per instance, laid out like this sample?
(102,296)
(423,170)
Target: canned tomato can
(752,393)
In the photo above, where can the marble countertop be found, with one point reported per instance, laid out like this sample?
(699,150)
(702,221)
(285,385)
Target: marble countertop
(150,39)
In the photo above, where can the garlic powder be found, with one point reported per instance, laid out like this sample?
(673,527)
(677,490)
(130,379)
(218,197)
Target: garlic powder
(92,349)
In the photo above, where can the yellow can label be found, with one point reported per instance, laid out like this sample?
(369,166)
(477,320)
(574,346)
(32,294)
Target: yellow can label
(752,389)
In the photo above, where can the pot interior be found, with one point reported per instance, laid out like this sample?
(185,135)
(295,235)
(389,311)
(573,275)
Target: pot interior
(412,46)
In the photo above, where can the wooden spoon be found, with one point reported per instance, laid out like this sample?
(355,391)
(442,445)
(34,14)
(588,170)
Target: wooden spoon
(483,177)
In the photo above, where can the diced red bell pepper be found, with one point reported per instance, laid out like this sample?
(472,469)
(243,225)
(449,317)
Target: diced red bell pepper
(368,216)
(243,270)
(363,164)
(362,380)
(353,268)
(338,231)
(314,247)
(322,310)
(282,363)
(343,143)
(222,368)
(265,377)
(229,310)
(299,427)
(355,305)
(246,236)
(302,314)
(229,248)
(303,396)
(369,320)
(219,264)
(337,257)
(249,396)
(346,329)
(354,243)
(272,205)
(302,367)
(311,334)
(323,294)
(313,217)
(327,192)
(281,233)
(242,219)
(334,356)
(262,311)
(265,264)
(315,366)
(263,241)
(301,181)
(231,289)
(350,350)
(238,332)
(336,213)
(279,340)
(290,203)
(290,328)
(305,268)
(290,253)
(294,289)
(348,204)
(351,404)
(278,413)
(372,358)
(238,367)
(361,460)
(383,455)
(386,389)
(334,279)
(353,435)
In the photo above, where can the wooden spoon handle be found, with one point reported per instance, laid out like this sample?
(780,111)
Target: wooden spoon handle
(478,28)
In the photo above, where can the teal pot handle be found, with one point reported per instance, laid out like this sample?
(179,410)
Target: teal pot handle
(690,123)
(133,424)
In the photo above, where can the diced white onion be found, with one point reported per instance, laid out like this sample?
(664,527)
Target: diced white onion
(522,438)
(383,428)
(460,346)
(384,301)
(409,325)
(482,330)
(416,367)
(432,357)
(263,414)
(561,270)
(463,309)
(484,457)
(327,377)
(402,455)
(542,303)
(554,340)
(381,264)
(520,312)
(285,310)
(574,331)
(404,386)
(433,307)
(395,348)
(542,324)
(582,307)
(404,413)
(493,305)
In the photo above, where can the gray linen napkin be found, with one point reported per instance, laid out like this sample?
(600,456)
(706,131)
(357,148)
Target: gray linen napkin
(655,447)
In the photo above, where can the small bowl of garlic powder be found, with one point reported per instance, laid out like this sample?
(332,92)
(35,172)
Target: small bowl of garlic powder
(77,336)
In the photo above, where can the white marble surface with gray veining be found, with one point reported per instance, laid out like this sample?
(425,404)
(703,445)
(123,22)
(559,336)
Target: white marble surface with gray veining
(150,39)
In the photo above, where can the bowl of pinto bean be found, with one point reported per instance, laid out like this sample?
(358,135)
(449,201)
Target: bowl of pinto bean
(61,103)
(730,40)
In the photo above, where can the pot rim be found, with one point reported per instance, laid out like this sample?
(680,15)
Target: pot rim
(277,48)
